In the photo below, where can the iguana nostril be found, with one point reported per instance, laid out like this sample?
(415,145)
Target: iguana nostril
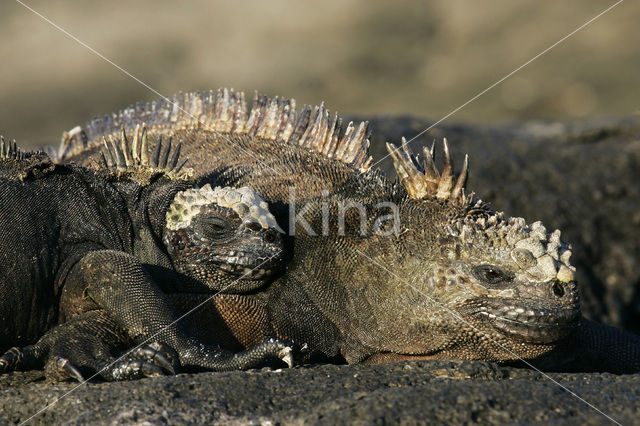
(558,289)
(270,237)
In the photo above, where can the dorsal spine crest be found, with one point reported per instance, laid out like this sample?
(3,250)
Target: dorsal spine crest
(226,112)
(10,150)
(121,156)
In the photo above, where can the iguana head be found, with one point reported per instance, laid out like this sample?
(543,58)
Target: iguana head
(222,236)
(460,280)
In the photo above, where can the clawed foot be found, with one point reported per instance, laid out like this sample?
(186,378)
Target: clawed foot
(199,357)
(155,359)
(267,349)
(59,369)
(144,361)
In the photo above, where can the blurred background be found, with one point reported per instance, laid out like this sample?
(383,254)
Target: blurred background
(362,57)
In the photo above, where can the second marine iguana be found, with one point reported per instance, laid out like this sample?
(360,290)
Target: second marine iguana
(91,258)
(442,276)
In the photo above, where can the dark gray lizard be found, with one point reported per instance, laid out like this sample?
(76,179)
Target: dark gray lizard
(90,259)
(448,278)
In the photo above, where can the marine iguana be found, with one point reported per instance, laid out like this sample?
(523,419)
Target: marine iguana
(90,258)
(450,278)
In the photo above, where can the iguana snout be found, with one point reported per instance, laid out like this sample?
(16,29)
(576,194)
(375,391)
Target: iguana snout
(526,320)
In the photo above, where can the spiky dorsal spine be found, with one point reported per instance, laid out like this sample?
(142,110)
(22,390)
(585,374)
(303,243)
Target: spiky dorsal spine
(18,164)
(120,156)
(424,180)
(11,151)
(226,112)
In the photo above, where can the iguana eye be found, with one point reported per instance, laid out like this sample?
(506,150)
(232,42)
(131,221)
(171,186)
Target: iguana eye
(214,227)
(490,274)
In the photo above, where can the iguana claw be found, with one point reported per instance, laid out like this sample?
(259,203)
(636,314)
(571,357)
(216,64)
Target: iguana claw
(286,355)
(61,369)
(158,354)
(132,369)
(71,370)
(155,359)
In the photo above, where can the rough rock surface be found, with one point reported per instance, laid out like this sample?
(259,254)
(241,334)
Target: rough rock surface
(407,392)
(581,178)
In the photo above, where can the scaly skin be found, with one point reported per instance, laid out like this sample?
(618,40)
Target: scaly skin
(86,275)
(456,279)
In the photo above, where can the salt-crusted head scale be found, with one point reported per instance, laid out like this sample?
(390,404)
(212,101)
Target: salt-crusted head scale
(541,255)
(247,204)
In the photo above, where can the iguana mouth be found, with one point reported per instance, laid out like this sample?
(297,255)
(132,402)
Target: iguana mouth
(247,264)
(527,320)
(539,332)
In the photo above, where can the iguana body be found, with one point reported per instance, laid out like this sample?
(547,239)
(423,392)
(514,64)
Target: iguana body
(91,259)
(455,279)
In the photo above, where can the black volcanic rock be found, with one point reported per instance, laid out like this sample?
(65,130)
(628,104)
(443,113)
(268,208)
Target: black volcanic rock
(409,393)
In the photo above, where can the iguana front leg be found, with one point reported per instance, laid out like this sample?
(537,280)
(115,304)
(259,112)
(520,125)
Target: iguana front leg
(85,346)
(118,283)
